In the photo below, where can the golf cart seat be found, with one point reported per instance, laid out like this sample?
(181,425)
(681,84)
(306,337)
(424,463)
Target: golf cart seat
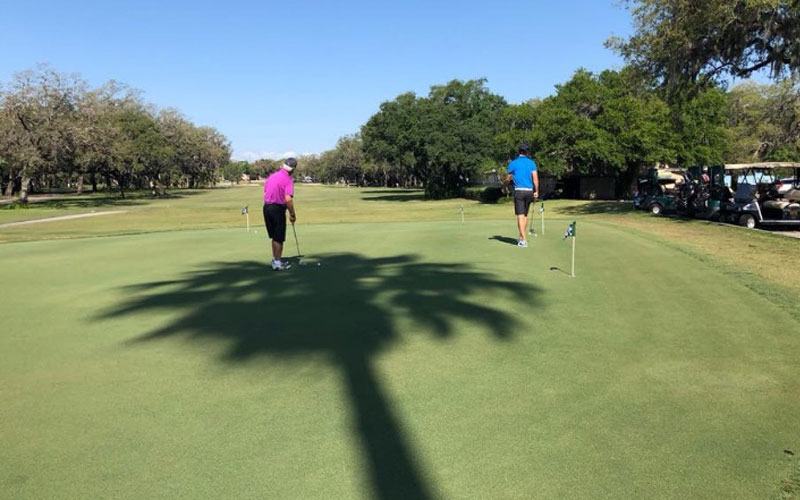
(776,204)
(793,195)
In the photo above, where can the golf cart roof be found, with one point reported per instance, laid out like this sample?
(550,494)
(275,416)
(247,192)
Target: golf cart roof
(761,166)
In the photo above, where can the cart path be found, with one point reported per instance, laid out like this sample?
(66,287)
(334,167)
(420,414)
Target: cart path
(62,217)
(789,234)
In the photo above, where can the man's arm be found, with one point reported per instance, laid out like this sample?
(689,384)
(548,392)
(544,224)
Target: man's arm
(290,206)
(535,175)
(506,182)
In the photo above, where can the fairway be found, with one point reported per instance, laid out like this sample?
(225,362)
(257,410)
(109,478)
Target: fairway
(423,358)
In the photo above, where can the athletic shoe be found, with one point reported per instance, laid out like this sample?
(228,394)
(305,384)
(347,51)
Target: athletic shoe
(278,265)
(522,244)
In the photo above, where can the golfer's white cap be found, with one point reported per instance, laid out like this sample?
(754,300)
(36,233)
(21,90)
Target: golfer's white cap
(289,164)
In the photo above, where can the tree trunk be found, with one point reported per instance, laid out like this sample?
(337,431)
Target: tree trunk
(26,185)
(10,188)
(93,180)
(80,184)
(390,464)
(626,182)
(157,187)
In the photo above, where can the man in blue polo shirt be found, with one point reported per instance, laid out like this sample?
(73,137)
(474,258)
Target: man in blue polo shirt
(524,173)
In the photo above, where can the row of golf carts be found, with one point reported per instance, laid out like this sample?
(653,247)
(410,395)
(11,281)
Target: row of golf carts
(752,195)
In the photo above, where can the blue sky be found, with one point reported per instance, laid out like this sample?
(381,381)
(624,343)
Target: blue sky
(294,76)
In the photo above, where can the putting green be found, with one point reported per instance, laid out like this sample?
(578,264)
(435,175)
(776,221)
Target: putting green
(424,360)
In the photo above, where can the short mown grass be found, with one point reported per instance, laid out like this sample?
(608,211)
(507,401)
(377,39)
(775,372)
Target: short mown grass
(423,358)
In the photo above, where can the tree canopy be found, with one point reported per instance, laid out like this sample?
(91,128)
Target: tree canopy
(764,122)
(442,139)
(687,41)
(55,130)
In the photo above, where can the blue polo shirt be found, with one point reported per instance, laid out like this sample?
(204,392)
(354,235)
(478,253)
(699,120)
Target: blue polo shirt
(522,169)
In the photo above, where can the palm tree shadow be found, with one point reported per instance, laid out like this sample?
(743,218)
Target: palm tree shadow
(344,310)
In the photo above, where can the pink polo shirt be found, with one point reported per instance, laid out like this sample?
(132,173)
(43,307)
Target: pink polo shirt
(277,186)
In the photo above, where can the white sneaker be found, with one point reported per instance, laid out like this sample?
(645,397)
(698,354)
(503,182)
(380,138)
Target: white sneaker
(278,265)
(522,244)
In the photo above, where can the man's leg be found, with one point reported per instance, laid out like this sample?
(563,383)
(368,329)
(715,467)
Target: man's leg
(277,250)
(522,223)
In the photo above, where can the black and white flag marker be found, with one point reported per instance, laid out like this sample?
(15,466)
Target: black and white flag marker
(246,212)
(572,233)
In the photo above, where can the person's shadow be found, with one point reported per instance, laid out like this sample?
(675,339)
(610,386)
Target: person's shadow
(504,239)
(344,309)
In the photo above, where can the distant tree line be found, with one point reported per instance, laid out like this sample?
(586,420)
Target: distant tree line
(614,123)
(56,132)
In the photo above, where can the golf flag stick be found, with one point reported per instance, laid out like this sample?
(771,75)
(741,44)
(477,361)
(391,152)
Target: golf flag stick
(461,211)
(573,256)
(572,233)
(541,212)
(246,212)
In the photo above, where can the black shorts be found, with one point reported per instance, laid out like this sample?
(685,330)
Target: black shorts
(275,219)
(522,202)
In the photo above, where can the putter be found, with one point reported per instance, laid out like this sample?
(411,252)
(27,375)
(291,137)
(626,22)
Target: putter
(299,257)
(531,230)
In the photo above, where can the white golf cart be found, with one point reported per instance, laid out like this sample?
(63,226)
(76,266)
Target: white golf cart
(764,194)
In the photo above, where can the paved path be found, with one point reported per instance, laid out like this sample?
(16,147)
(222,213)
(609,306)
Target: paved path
(63,217)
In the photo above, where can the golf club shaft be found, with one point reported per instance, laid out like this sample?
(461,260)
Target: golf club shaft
(295,240)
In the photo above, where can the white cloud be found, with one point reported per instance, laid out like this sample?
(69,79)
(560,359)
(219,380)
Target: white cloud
(271,155)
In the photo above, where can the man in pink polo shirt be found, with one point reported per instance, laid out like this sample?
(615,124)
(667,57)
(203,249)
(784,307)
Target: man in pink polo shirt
(278,194)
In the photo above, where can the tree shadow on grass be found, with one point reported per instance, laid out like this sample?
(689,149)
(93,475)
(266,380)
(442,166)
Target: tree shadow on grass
(402,196)
(597,208)
(133,198)
(344,309)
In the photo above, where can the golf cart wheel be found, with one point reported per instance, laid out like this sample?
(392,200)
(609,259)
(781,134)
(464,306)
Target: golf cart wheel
(656,209)
(747,221)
